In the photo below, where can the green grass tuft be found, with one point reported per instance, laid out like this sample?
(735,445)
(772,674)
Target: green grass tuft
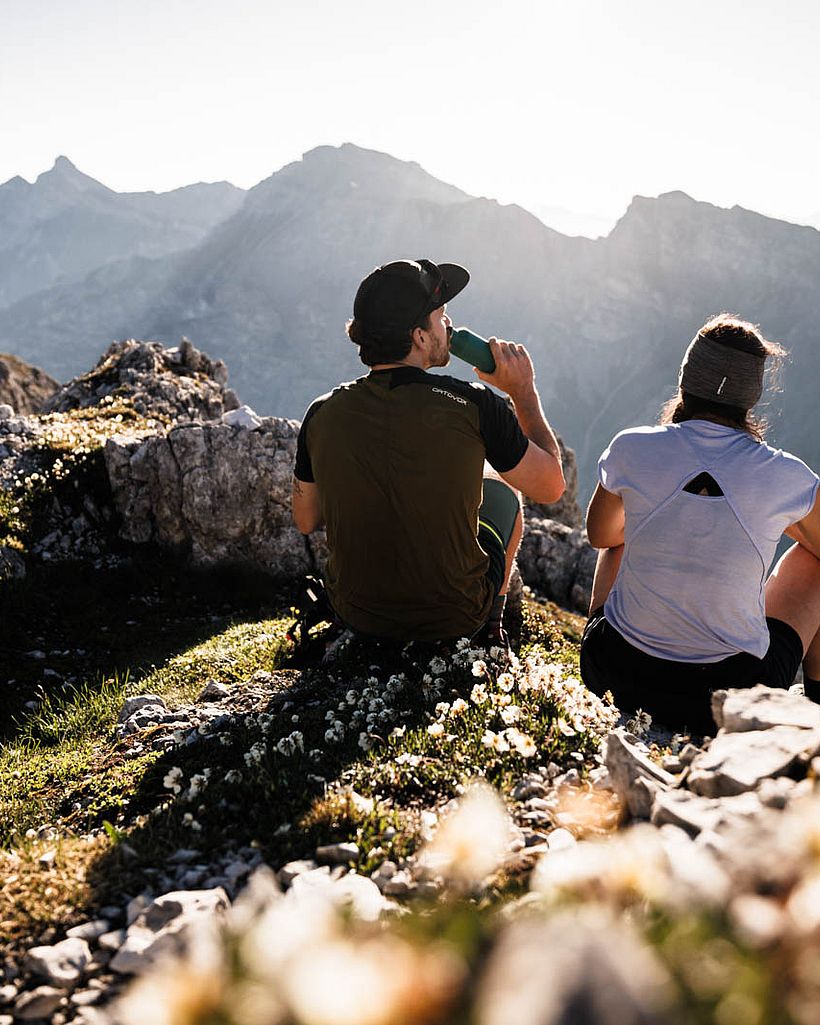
(81,713)
(65,762)
(230,656)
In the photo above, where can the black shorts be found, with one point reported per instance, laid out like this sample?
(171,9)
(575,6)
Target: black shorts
(678,694)
(496,522)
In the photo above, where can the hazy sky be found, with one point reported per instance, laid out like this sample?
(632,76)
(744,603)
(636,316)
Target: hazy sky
(579,104)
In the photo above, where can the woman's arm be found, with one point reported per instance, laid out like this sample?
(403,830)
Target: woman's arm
(806,532)
(605,519)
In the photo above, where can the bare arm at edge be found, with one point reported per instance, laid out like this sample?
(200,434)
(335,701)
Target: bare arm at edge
(605,519)
(806,532)
(539,473)
(307,512)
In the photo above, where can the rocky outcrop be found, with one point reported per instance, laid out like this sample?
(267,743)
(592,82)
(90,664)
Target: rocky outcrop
(51,463)
(23,387)
(764,756)
(558,562)
(218,492)
(59,505)
(167,384)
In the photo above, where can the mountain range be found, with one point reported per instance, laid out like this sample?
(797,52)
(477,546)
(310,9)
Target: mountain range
(265,280)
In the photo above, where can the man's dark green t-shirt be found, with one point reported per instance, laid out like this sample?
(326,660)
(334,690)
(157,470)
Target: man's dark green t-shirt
(397,457)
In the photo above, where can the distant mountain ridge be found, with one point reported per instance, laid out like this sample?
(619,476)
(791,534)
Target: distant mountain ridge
(66,224)
(269,287)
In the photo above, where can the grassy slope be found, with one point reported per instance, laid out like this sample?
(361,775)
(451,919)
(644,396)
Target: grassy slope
(65,767)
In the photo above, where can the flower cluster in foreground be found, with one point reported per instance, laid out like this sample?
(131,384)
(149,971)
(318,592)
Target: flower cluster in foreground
(621,931)
(418,727)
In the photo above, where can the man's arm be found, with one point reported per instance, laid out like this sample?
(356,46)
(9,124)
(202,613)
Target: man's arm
(605,519)
(539,473)
(307,512)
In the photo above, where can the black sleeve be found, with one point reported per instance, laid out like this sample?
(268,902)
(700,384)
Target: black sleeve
(303,469)
(503,438)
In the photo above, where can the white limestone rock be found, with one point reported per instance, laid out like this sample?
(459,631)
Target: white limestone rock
(136,906)
(85,997)
(36,1004)
(400,885)
(384,873)
(162,928)
(530,786)
(112,940)
(696,814)
(243,417)
(560,839)
(778,792)
(737,762)
(134,704)
(338,853)
(762,708)
(696,877)
(312,879)
(688,753)
(213,691)
(579,965)
(62,964)
(89,931)
(220,493)
(360,894)
(634,777)
(287,873)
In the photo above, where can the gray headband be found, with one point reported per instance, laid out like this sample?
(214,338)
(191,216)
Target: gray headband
(722,374)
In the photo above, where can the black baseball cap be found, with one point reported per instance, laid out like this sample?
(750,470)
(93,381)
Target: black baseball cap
(399,294)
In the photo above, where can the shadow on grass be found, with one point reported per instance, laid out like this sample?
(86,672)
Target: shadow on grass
(285,797)
(281,803)
(66,625)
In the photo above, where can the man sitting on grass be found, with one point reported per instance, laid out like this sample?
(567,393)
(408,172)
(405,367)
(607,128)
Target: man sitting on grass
(421,535)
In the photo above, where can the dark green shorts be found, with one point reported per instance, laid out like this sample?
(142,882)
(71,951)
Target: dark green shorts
(496,523)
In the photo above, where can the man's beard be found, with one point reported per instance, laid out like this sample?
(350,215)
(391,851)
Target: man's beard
(442,357)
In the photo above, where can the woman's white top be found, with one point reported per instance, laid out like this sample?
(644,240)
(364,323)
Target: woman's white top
(690,586)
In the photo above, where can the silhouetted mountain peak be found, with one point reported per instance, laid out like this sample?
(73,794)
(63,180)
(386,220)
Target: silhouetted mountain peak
(64,174)
(63,165)
(16,184)
(331,171)
(660,215)
(666,204)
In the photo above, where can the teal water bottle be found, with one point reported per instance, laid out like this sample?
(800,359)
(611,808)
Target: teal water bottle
(472,348)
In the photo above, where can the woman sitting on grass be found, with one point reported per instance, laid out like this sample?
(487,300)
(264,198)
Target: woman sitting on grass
(688,516)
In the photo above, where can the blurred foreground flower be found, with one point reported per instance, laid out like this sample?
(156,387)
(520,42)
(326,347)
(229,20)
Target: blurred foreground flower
(577,967)
(187,991)
(472,840)
(627,869)
(383,980)
(317,955)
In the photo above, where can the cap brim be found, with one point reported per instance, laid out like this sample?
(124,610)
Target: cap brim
(455,280)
